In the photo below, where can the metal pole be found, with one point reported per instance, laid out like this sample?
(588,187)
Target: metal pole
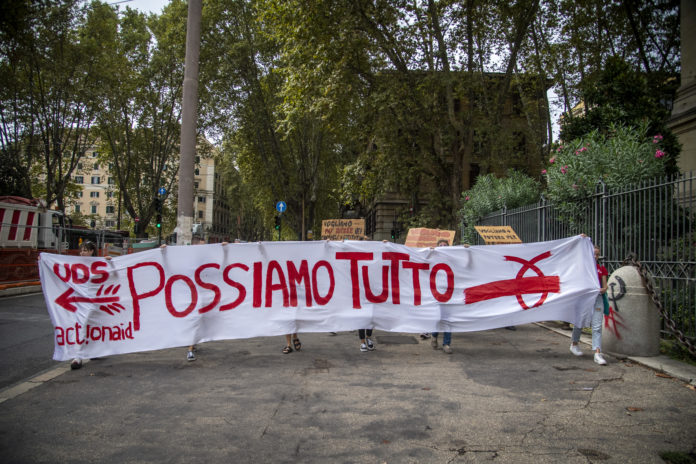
(184,218)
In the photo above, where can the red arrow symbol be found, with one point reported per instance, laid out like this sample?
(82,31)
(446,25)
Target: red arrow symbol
(66,300)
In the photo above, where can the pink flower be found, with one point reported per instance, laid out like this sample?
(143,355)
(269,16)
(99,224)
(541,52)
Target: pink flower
(466,198)
(543,171)
(564,169)
(552,160)
(558,150)
(583,149)
(659,154)
(577,153)
(657,138)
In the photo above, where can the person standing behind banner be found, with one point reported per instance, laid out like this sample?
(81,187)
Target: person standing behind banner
(87,248)
(596,317)
(196,240)
(447,337)
(366,343)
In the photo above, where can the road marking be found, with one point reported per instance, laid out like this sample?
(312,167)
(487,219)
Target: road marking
(24,386)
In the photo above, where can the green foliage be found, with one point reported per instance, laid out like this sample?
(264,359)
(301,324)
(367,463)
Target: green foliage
(619,95)
(619,157)
(491,193)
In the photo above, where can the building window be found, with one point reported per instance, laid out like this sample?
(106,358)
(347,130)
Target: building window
(110,223)
(96,166)
(96,180)
(197,171)
(77,208)
(79,180)
(79,194)
(94,209)
(110,210)
(201,199)
(95,154)
(79,165)
(195,185)
(111,166)
(109,194)
(110,181)
(94,194)
(200,215)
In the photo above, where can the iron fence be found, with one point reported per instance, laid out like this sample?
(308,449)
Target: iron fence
(655,221)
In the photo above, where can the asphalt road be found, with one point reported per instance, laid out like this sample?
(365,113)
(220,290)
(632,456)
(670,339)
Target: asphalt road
(26,338)
(502,396)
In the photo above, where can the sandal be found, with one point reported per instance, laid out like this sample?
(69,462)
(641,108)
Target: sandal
(296,342)
(287,350)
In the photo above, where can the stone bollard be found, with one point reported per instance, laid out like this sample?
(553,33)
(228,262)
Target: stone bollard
(633,325)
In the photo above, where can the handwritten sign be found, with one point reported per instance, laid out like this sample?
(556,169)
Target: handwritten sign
(422,237)
(497,234)
(343,229)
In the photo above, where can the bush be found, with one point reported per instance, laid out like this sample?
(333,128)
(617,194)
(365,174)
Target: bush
(491,193)
(622,157)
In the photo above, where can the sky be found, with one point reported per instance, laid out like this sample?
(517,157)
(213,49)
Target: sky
(146,6)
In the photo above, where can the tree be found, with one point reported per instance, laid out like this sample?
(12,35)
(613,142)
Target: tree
(139,120)
(421,72)
(50,68)
(284,156)
(619,94)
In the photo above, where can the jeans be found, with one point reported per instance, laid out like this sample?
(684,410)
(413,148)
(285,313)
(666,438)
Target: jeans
(361,333)
(597,320)
(446,338)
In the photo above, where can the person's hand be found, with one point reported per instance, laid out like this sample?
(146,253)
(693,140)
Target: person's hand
(466,245)
(164,245)
(107,257)
(224,243)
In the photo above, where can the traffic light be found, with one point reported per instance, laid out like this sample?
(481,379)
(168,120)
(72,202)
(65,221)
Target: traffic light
(158,205)
(393,234)
(277,223)
(158,223)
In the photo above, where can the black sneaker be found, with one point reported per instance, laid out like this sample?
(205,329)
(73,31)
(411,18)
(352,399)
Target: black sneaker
(75,364)
(370,345)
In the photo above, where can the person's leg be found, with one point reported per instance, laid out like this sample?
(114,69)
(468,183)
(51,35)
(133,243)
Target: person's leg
(574,339)
(446,341)
(363,342)
(296,342)
(288,344)
(433,340)
(370,344)
(189,354)
(597,320)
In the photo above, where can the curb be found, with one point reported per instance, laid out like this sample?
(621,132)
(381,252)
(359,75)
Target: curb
(661,363)
(20,290)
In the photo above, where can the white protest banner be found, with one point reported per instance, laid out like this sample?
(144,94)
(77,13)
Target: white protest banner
(181,295)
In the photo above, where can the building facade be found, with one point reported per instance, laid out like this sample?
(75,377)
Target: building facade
(97,198)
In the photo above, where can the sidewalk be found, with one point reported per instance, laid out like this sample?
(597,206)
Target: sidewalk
(508,396)
(677,369)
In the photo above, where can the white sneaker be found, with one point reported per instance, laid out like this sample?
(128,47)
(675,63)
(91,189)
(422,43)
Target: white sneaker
(370,345)
(447,349)
(599,359)
(575,349)
(363,347)
(190,356)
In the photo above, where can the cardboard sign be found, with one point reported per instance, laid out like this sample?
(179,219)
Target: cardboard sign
(422,237)
(343,229)
(497,234)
